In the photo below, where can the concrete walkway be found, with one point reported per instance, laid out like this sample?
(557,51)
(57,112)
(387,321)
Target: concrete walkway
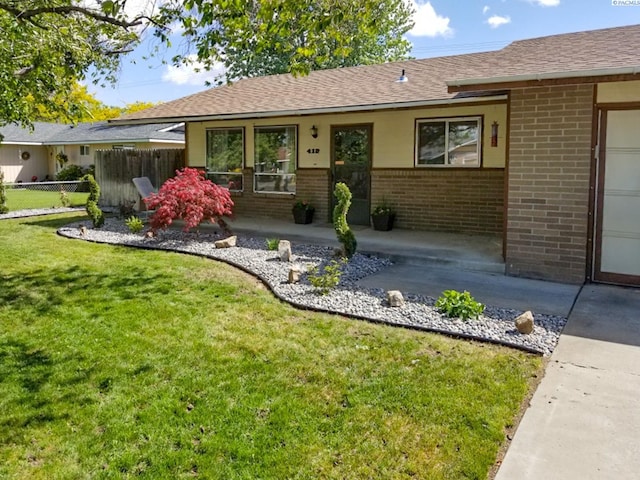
(584,419)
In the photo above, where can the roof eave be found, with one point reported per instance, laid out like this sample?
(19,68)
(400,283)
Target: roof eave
(466,84)
(312,111)
(112,140)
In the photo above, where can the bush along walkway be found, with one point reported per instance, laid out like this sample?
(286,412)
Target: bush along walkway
(495,324)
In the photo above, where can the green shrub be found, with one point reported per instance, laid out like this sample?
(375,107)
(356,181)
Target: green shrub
(70,173)
(64,198)
(3,197)
(94,212)
(272,243)
(328,278)
(344,233)
(134,223)
(457,304)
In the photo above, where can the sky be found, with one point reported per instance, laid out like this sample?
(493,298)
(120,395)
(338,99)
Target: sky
(442,27)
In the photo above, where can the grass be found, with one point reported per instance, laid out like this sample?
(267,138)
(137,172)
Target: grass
(22,199)
(117,363)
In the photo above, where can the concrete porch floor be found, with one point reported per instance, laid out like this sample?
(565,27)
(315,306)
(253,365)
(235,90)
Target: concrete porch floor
(427,263)
(469,252)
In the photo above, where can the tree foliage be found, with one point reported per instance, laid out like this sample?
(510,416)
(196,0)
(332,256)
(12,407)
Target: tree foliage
(189,196)
(253,37)
(46,47)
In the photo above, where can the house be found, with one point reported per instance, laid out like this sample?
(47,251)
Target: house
(535,143)
(26,154)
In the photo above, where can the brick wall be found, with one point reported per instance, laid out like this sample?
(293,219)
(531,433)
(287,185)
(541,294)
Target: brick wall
(311,185)
(549,176)
(450,200)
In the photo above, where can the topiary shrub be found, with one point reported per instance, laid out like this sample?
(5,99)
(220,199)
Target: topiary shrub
(94,212)
(189,196)
(344,233)
(3,196)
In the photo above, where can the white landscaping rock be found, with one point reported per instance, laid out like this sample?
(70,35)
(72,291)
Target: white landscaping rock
(524,322)
(284,250)
(227,242)
(395,298)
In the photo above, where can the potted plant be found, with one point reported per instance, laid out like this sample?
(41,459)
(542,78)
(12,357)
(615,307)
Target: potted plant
(383,217)
(303,212)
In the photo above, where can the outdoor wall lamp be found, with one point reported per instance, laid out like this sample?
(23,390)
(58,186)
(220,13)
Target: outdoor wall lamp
(494,134)
(314,131)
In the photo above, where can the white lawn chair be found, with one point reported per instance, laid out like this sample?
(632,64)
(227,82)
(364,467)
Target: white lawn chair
(145,188)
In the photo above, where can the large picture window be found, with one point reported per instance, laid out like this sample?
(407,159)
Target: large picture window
(276,155)
(225,157)
(451,142)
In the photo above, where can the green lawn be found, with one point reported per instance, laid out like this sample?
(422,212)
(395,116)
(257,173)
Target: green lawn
(22,199)
(117,363)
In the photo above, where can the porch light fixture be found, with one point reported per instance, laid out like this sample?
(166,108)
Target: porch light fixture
(494,134)
(402,78)
(314,131)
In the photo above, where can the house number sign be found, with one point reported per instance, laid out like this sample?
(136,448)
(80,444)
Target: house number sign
(313,151)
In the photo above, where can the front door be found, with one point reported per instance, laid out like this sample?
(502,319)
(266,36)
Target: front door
(617,256)
(351,164)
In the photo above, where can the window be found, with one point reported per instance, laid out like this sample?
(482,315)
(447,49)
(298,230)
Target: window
(123,147)
(225,157)
(448,142)
(275,157)
(84,150)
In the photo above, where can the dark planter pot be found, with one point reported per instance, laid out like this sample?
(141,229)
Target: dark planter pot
(384,223)
(302,216)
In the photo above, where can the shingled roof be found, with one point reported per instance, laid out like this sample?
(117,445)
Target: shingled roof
(99,132)
(430,80)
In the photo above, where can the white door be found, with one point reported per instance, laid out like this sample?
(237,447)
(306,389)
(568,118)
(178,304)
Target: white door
(618,229)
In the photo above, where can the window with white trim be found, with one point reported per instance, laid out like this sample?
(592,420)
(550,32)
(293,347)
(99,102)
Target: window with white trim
(84,150)
(225,157)
(450,142)
(276,158)
(123,147)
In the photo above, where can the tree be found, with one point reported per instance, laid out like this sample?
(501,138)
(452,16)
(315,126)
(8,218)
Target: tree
(254,38)
(47,46)
(189,196)
(79,106)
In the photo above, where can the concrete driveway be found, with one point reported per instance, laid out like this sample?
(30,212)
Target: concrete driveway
(584,419)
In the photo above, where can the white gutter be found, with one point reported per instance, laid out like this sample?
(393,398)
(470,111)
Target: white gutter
(311,111)
(544,76)
(17,142)
(111,141)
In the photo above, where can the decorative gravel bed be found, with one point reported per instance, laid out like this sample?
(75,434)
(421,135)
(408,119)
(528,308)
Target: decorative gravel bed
(494,325)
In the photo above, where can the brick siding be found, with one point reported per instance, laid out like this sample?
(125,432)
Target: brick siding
(449,200)
(548,184)
(312,185)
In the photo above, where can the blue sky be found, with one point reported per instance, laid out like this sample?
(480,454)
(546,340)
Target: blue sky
(443,27)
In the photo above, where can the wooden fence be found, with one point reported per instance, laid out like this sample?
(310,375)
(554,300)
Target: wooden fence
(116,168)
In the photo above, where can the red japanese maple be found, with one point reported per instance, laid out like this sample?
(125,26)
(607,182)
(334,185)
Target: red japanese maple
(191,197)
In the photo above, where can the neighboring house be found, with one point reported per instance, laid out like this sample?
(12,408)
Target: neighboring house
(25,154)
(536,143)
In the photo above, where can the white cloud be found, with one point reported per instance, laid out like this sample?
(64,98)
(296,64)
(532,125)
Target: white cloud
(496,20)
(485,9)
(192,74)
(427,22)
(546,3)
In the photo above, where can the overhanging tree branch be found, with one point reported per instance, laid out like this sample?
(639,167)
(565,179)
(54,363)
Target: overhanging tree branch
(67,9)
